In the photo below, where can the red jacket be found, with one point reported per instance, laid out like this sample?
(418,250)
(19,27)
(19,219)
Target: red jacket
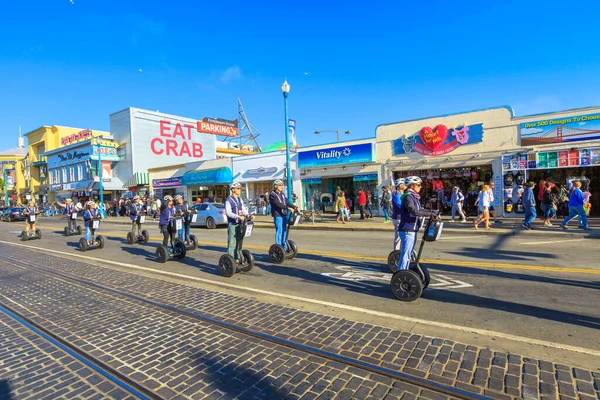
(362,199)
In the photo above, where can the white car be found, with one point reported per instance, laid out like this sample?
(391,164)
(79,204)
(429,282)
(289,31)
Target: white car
(209,215)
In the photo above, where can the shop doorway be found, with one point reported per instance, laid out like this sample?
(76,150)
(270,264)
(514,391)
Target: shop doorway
(344,183)
(559,177)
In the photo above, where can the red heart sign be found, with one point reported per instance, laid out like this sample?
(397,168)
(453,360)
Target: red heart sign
(433,138)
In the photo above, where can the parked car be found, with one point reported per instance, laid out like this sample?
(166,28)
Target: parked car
(209,215)
(14,214)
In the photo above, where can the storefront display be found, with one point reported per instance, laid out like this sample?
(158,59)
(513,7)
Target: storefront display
(208,185)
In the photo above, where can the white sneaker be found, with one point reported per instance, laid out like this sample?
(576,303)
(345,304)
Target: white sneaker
(451,220)
(464,221)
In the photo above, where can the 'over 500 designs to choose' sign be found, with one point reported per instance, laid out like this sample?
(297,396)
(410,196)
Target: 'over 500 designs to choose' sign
(438,140)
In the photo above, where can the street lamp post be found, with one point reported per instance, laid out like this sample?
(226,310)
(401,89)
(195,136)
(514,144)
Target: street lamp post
(285,89)
(337,131)
(100,171)
(6,186)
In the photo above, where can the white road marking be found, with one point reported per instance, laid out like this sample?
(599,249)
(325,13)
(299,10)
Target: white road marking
(360,274)
(467,329)
(555,241)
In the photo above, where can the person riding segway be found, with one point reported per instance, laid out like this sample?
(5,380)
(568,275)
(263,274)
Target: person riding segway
(137,214)
(31,232)
(239,226)
(394,256)
(168,225)
(70,213)
(91,221)
(183,210)
(283,248)
(411,278)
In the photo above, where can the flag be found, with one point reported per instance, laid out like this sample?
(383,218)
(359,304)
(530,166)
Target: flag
(292,131)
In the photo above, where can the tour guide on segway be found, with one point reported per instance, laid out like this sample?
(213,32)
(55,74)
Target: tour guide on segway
(68,211)
(136,209)
(279,210)
(236,213)
(410,219)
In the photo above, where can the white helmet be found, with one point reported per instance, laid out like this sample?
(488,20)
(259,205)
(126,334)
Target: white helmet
(235,185)
(168,198)
(178,196)
(412,180)
(277,182)
(136,198)
(90,203)
(399,182)
(69,199)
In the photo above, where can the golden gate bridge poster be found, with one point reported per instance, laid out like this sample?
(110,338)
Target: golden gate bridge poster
(560,130)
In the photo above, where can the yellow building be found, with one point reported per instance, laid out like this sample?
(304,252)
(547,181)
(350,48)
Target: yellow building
(35,168)
(9,163)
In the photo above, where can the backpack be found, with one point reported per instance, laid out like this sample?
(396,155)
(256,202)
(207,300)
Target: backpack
(520,178)
(508,179)
(508,206)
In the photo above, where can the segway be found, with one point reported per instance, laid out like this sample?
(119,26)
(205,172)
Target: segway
(177,248)
(277,253)
(68,230)
(96,242)
(408,284)
(245,260)
(37,234)
(144,237)
(191,242)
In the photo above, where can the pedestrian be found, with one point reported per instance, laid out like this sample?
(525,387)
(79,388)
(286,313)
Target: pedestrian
(362,203)
(529,205)
(397,210)
(491,198)
(483,202)
(386,201)
(548,203)
(457,201)
(576,207)
(369,204)
(340,207)
(294,197)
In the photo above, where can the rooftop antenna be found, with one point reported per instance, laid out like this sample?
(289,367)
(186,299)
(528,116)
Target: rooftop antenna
(247,132)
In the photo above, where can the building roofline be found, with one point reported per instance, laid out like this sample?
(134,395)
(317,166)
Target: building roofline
(555,112)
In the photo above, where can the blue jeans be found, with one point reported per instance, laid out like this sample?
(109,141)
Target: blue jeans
(548,210)
(576,211)
(530,215)
(408,240)
(386,212)
(281,224)
(88,233)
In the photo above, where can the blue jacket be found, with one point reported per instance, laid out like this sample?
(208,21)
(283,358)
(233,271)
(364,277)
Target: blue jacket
(166,214)
(88,215)
(68,209)
(396,205)
(411,213)
(576,198)
(528,198)
(279,204)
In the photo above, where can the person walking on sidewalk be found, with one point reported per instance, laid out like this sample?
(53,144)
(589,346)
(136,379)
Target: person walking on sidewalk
(529,205)
(576,207)
(369,204)
(386,201)
(457,201)
(362,203)
(548,203)
(483,202)
(397,210)
(340,207)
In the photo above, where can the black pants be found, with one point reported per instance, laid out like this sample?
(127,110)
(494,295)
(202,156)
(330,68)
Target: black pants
(363,211)
(71,224)
(167,234)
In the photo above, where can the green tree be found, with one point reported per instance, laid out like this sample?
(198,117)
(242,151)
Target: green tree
(1,183)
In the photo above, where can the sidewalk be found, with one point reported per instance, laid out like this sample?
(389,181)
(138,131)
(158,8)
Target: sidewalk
(509,226)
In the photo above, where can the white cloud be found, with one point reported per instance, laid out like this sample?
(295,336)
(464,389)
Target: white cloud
(231,74)
(530,131)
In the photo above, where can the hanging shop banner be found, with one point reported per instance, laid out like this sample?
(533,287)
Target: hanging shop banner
(167,182)
(438,140)
(208,177)
(551,159)
(342,155)
(312,181)
(292,131)
(10,180)
(559,130)
(365,177)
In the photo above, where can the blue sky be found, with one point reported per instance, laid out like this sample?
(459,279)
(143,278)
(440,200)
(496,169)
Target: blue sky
(74,63)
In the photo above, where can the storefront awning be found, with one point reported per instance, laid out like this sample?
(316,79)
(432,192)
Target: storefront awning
(208,177)
(137,179)
(112,184)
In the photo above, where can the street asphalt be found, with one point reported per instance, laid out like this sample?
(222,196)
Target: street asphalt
(534,295)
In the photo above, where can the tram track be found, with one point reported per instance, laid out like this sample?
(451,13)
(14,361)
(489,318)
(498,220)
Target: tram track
(368,367)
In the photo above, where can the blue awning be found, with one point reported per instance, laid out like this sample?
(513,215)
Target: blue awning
(208,177)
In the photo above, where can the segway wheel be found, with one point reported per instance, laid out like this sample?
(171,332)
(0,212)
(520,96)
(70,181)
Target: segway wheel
(406,285)
(179,249)
(23,236)
(38,233)
(162,254)
(248,262)
(145,236)
(79,230)
(227,265)
(83,245)
(393,260)
(194,241)
(130,238)
(277,254)
(100,241)
(67,231)
(427,277)
(292,250)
